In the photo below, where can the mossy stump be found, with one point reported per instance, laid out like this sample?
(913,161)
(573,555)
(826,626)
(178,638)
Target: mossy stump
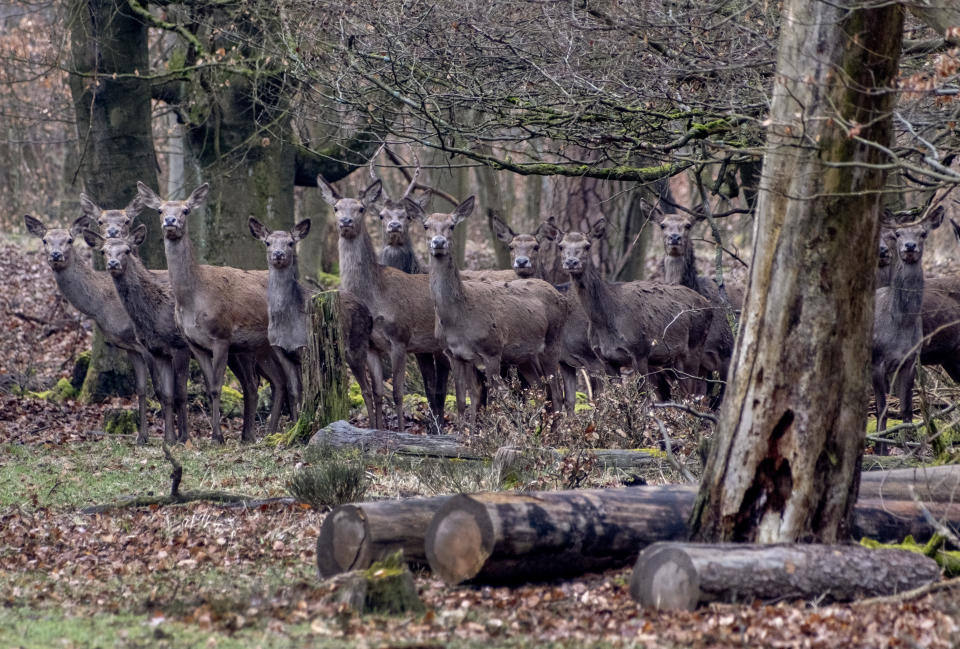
(120,421)
(326,382)
(109,373)
(385,588)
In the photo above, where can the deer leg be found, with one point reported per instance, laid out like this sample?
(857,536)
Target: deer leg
(181,370)
(269,367)
(245,367)
(905,382)
(428,370)
(217,369)
(163,385)
(140,375)
(569,374)
(462,385)
(443,374)
(375,367)
(880,387)
(398,362)
(290,364)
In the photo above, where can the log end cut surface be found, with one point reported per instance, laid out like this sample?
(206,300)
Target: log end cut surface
(665,579)
(341,541)
(459,540)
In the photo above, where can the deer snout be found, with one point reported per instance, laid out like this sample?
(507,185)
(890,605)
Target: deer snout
(113,264)
(394,226)
(169,221)
(910,246)
(674,239)
(345,222)
(438,243)
(56,255)
(521,262)
(571,263)
(113,232)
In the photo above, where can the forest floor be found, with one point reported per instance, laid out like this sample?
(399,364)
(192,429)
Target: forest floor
(205,575)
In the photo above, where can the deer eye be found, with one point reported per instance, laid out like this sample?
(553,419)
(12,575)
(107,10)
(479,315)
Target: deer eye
(290,244)
(923,235)
(687,226)
(536,248)
(44,241)
(587,247)
(186,211)
(99,221)
(361,209)
(70,240)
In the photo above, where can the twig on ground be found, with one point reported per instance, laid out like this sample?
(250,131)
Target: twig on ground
(916,593)
(671,458)
(686,408)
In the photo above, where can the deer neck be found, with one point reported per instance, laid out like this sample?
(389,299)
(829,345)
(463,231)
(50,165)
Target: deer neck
(83,287)
(401,257)
(595,295)
(182,267)
(907,285)
(681,270)
(143,296)
(446,286)
(283,288)
(359,269)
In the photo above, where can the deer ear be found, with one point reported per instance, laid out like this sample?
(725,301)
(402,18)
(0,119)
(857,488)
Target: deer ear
(936,218)
(89,208)
(598,229)
(330,195)
(38,229)
(371,193)
(93,239)
(414,210)
(547,231)
(150,198)
(463,210)
(78,225)
(301,230)
(134,208)
(424,200)
(258,229)
(503,231)
(139,235)
(198,196)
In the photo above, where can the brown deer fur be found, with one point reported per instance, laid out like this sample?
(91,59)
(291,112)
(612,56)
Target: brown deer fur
(219,310)
(637,324)
(679,266)
(92,293)
(489,323)
(897,323)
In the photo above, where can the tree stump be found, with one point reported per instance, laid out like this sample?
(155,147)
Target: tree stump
(353,537)
(680,576)
(386,588)
(342,434)
(324,369)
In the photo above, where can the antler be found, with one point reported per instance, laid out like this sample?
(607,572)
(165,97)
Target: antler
(413,181)
(373,174)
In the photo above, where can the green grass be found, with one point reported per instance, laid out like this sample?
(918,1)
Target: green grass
(82,474)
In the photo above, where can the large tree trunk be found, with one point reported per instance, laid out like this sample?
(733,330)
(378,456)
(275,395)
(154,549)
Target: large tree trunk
(787,452)
(112,105)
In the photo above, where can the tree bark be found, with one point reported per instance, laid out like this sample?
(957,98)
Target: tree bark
(112,105)
(672,576)
(353,537)
(505,537)
(928,484)
(788,448)
(325,377)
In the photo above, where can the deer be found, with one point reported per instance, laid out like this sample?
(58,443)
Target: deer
(398,250)
(884,268)
(680,268)
(941,321)
(399,303)
(638,325)
(898,323)
(489,323)
(92,293)
(527,262)
(220,311)
(147,299)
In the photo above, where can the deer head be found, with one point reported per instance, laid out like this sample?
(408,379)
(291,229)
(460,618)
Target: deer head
(675,229)
(909,239)
(173,214)
(281,245)
(113,224)
(440,226)
(575,248)
(116,251)
(349,212)
(57,242)
(524,248)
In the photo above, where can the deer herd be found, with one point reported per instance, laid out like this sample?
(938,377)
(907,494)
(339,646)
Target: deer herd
(675,333)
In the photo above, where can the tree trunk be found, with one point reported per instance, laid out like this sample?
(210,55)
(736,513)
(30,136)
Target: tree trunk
(325,377)
(680,576)
(352,537)
(927,484)
(506,537)
(112,105)
(788,448)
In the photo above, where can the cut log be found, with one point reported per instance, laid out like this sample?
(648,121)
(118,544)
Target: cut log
(343,434)
(681,576)
(930,484)
(324,371)
(353,537)
(504,537)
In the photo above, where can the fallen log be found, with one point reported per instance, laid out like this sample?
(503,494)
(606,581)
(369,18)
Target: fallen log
(929,484)
(340,434)
(680,576)
(506,537)
(353,537)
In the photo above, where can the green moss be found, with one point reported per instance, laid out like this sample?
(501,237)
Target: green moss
(64,391)
(120,421)
(948,560)
(327,281)
(80,367)
(231,402)
(355,396)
